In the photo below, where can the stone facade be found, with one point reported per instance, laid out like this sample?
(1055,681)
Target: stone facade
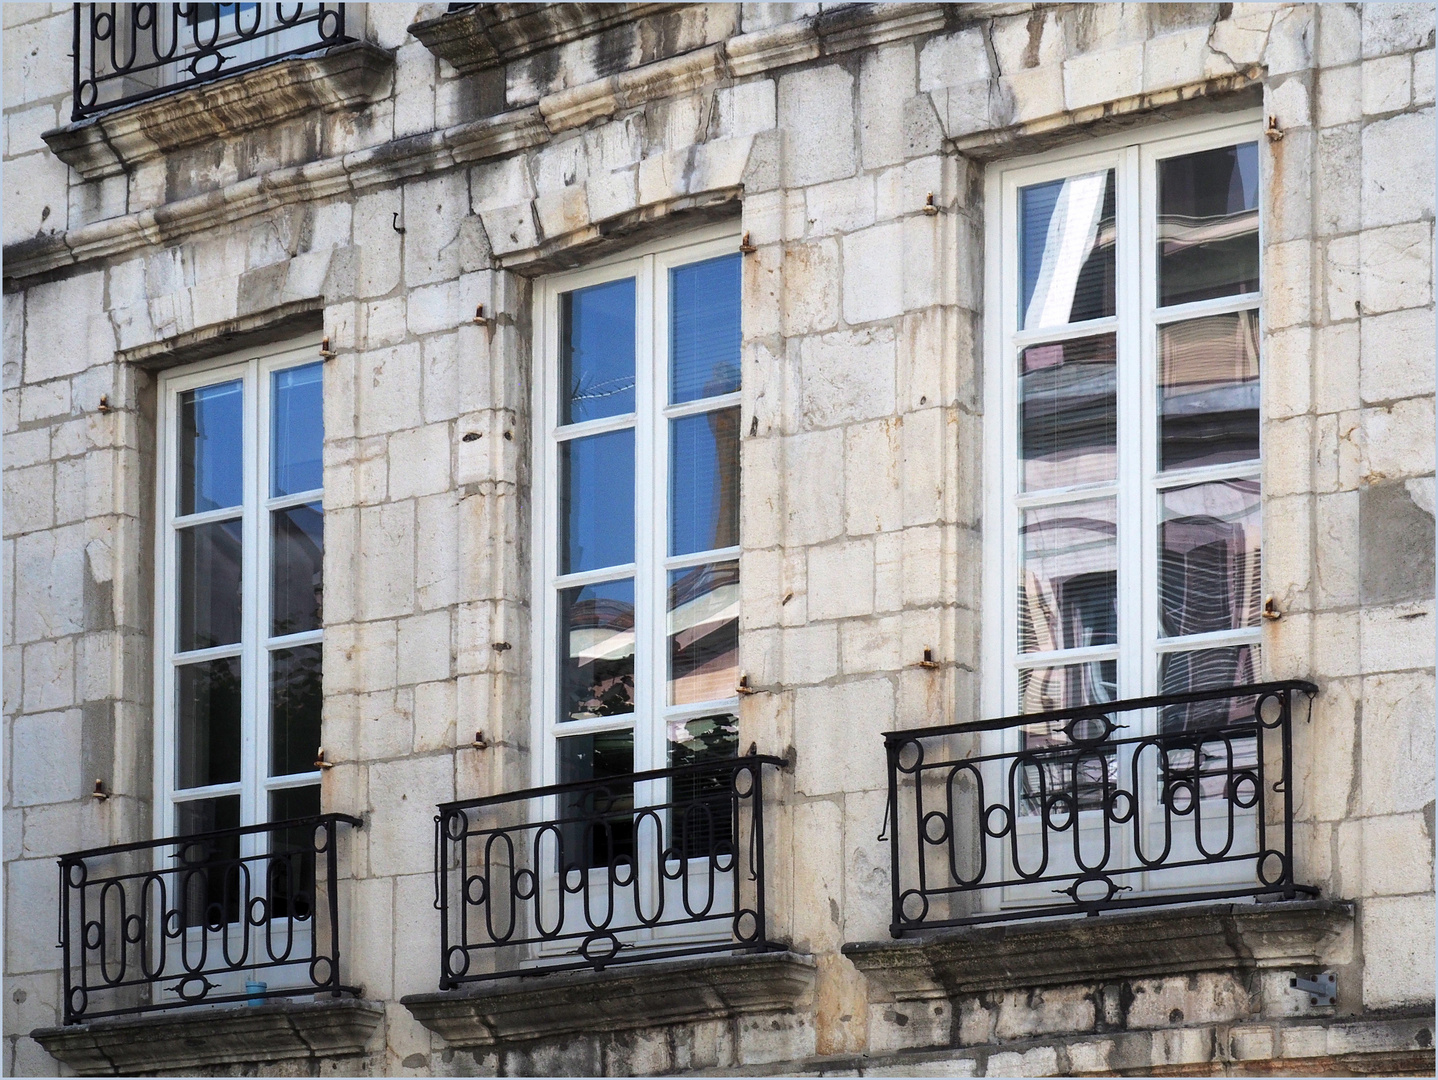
(822,133)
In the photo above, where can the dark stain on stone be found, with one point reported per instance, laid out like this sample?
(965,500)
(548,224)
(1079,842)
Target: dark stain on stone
(1175,1016)
(1424,1037)
(415,1061)
(99,600)
(1035,29)
(1395,545)
(97,744)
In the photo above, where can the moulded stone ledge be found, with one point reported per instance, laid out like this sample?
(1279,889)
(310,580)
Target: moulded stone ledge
(485,36)
(344,77)
(196,1038)
(641,995)
(1110,947)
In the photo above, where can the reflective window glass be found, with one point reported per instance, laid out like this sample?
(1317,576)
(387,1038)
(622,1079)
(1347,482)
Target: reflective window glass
(1207,669)
(208,728)
(211,448)
(703,632)
(1208,387)
(1210,541)
(297,430)
(1208,224)
(1068,576)
(704,482)
(596,501)
(297,545)
(599,821)
(296,700)
(704,329)
(596,352)
(209,584)
(1068,427)
(596,646)
(1066,250)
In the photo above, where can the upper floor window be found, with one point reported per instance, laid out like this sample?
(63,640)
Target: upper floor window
(128,52)
(637,523)
(240,592)
(1124,511)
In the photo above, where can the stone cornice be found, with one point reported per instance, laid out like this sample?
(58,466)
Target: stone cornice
(194,1040)
(345,77)
(1126,945)
(490,35)
(643,995)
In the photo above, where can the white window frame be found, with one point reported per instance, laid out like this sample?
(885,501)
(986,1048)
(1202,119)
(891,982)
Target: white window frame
(1138,484)
(649,267)
(254,368)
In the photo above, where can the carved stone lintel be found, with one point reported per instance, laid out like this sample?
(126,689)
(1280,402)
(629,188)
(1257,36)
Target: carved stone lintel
(640,995)
(1126,945)
(194,1039)
(345,77)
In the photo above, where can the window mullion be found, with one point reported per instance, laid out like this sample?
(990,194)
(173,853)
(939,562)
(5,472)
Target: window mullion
(651,517)
(1135,424)
(254,608)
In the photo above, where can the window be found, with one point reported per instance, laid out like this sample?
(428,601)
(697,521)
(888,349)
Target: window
(240,594)
(1124,510)
(637,520)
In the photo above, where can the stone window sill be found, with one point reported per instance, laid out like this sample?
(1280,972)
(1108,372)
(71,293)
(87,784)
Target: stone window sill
(194,1039)
(107,144)
(514,1011)
(1127,945)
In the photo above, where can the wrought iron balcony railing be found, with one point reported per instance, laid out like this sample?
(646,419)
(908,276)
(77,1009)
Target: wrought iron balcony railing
(125,53)
(1160,800)
(652,865)
(232,915)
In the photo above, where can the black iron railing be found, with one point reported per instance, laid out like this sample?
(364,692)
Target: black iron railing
(232,915)
(1160,800)
(126,53)
(581,875)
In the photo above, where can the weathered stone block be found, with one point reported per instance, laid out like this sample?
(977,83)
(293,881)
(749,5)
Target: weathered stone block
(813,104)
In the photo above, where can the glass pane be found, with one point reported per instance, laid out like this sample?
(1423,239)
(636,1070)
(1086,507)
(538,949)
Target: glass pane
(1207,669)
(298,431)
(599,822)
(295,700)
(1054,764)
(1208,387)
(703,633)
(704,329)
(209,586)
(1210,553)
(296,574)
(211,446)
(207,749)
(596,645)
(704,482)
(207,873)
(290,884)
(596,351)
(702,803)
(1069,419)
(596,501)
(1068,576)
(1208,224)
(1066,245)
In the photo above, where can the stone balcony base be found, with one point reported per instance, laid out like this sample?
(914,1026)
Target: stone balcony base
(1144,970)
(649,1018)
(332,1031)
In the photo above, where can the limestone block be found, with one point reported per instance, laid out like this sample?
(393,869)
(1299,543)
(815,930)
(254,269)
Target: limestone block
(371,920)
(416,965)
(1423,78)
(29,924)
(612,194)
(1391,28)
(1238,41)
(49,673)
(1030,94)
(386,560)
(1103,75)
(387,401)
(1040,1061)
(1287,549)
(1339,35)
(414,79)
(1398,169)
(867,898)
(840,727)
(29,498)
(424,647)
(813,489)
(1335,368)
(886,78)
(1323,759)
(1387,84)
(761,584)
(563,211)
(1336,555)
(65,327)
(818,864)
(44,748)
(745,109)
(505,182)
(842,206)
(814,104)
(967,107)
(431,309)
(49,583)
(385,722)
(1397,273)
(1397,731)
(1398,440)
(874,273)
(441,377)
(953,59)
(810,654)
(383,322)
(378,244)
(1338,180)
(1175,59)
(1339,95)
(1397,856)
(810,288)
(720,164)
(1287,288)
(841,580)
(874,481)
(433,211)
(419,462)
(438,577)
(1398,951)
(34,72)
